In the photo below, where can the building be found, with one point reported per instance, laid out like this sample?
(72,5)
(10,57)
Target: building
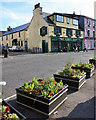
(88,25)
(46,32)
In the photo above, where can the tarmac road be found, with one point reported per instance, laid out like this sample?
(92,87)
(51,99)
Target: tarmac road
(22,68)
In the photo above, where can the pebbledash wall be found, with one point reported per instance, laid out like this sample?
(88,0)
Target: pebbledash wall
(46,32)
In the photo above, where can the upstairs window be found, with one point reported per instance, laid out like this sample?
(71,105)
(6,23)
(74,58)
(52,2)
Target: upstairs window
(68,20)
(88,23)
(78,33)
(93,24)
(75,22)
(88,32)
(2,38)
(6,37)
(69,32)
(57,31)
(53,18)
(19,34)
(94,33)
(59,18)
(12,36)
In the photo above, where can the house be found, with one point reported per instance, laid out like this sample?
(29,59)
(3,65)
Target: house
(88,25)
(46,32)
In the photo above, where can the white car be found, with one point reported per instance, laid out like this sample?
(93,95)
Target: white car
(15,48)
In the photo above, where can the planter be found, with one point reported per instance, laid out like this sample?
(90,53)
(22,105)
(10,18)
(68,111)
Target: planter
(89,72)
(39,103)
(13,110)
(75,83)
(93,61)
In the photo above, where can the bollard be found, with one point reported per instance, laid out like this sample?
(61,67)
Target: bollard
(5,54)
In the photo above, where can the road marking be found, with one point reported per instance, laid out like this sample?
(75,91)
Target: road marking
(10,97)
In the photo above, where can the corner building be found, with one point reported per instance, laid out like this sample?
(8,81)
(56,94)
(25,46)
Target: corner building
(45,32)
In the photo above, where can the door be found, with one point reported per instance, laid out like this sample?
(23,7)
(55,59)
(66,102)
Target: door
(25,46)
(43,46)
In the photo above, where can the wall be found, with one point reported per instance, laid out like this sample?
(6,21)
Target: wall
(65,23)
(35,40)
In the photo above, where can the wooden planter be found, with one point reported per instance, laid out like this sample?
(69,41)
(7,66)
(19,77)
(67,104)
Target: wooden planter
(13,110)
(40,104)
(92,61)
(72,82)
(89,72)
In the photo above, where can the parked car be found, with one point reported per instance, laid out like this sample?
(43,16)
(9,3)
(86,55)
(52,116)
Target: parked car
(15,48)
(2,48)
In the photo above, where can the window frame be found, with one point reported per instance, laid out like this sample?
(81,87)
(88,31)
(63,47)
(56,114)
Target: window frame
(74,23)
(21,43)
(67,20)
(57,18)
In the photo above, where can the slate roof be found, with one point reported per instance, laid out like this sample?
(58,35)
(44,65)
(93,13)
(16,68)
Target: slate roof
(16,29)
(45,17)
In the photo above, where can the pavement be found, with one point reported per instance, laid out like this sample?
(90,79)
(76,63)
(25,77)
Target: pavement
(22,68)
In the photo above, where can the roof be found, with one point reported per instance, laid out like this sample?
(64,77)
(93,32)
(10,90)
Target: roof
(46,18)
(16,29)
(65,14)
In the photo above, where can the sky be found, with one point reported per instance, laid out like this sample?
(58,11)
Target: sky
(18,12)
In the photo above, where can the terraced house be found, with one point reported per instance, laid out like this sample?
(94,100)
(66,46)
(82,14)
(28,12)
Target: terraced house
(45,32)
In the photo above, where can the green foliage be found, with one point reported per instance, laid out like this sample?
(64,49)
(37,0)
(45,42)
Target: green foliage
(46,88)
(68,71)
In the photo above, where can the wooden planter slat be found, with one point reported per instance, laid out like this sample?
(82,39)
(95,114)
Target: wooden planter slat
(13,110)
(40,104)
(72,82)
(89,72)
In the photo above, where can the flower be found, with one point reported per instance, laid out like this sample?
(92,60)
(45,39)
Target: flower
(52,93)
(7,109)
(36,92)
(3,83)
(69,74)
(40,84)
(54,81)
(27,90)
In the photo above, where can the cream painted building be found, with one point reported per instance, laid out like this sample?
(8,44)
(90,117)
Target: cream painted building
(45,32)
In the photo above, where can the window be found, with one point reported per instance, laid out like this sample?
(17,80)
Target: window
(21,43)
(68,32)
(94,33)
(59,18)
(2,38)
(89,23)
(78,33)
(93,24)
(52,18)
(68,20)
(57,31)
(6,37)
(19,34)
(12,36)
(75,22)
(88,32)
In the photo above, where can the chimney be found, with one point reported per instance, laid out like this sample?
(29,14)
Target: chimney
(73,13)
(37,7)
(9,28)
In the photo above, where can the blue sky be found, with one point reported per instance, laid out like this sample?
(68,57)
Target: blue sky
(17,12)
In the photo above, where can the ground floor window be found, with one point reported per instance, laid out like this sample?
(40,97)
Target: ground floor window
(21,43)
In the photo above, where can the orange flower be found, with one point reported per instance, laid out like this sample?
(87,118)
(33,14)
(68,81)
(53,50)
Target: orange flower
(40,84)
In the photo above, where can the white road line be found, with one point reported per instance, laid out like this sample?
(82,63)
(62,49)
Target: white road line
(10,97)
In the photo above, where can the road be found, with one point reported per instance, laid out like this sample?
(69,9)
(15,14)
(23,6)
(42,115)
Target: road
(22,68)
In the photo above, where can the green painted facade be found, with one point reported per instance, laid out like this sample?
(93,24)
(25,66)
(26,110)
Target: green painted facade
(61,42)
